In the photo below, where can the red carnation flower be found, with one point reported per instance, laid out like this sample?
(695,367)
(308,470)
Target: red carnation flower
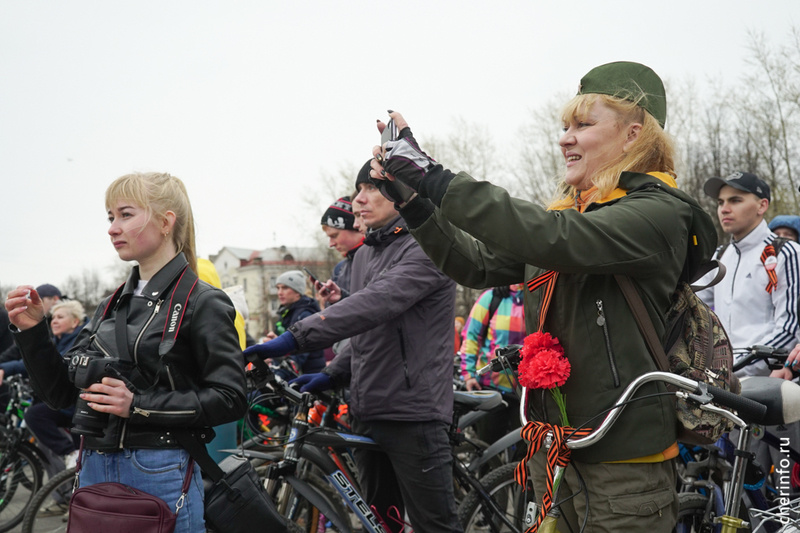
(538,341)
(543,363)
(544,366)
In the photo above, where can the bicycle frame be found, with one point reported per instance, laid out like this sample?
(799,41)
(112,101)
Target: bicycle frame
(759,506)
(324,447)
(697,392)
(312,446)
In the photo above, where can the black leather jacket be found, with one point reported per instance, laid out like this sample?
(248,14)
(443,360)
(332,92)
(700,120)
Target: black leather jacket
(200,382)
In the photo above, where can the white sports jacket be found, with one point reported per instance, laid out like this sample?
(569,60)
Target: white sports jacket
(748,312)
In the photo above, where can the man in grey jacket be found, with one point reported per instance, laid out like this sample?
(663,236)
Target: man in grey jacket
(398,365)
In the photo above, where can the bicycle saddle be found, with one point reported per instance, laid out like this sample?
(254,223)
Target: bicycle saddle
(477,400)
(782,398)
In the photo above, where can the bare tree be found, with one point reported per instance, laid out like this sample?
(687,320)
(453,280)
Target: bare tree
(537,161)
(770,107)
(467,147)
(88,288)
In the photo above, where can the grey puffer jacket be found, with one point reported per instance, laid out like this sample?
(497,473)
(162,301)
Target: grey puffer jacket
(400,314)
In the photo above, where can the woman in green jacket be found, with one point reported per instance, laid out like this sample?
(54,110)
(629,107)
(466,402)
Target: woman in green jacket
(611,215)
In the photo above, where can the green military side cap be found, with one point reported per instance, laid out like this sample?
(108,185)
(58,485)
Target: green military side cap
(630,81)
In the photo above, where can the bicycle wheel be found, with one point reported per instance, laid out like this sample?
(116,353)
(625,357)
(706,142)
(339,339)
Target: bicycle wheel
(509,497)
(57,490)
(304,514)
(21,475)
(466,452)
(694,516)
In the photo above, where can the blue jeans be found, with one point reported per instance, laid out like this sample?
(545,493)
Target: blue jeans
(159,472)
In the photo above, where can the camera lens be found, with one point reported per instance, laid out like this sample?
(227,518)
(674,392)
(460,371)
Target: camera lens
(86,421)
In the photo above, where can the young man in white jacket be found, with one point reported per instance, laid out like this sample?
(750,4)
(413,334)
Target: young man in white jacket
(757,300)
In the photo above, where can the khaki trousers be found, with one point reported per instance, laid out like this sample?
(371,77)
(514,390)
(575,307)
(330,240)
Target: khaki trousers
(626,497)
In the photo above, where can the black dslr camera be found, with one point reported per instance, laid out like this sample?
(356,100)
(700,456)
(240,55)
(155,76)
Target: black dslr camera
(86,368)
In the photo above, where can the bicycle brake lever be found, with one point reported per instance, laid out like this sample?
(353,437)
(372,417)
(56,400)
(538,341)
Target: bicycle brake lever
(702,397)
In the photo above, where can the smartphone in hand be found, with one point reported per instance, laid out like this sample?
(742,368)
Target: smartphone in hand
(389,132)
(311,276)
(323,291)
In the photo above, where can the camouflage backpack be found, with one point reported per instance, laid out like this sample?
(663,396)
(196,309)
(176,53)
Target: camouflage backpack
(695,346)
(698,348)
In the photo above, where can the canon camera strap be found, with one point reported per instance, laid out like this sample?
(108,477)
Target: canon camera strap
(178,302)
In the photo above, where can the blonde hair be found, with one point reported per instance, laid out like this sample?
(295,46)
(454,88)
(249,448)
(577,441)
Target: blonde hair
(652,151)
(158,193)
(73,307)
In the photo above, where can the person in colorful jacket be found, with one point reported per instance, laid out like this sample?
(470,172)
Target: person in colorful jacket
(488,329)
(496,320)
(616,212)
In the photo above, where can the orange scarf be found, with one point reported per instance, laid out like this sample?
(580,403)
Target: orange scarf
(588,197)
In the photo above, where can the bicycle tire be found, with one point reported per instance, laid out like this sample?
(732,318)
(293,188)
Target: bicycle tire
(692,515)
(34,523)
(506,493)
(21,476)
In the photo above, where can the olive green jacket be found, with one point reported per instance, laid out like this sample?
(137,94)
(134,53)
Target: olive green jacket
(482,237)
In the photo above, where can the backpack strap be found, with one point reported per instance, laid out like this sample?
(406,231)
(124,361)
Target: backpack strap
(705,269)
(644,322)
(199,452)
(777,244)
(493,305)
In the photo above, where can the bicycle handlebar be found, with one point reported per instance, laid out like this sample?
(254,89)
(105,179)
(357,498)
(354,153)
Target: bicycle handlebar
(760,352)
(750,410)
(701,393)
(262,373)
(507,355)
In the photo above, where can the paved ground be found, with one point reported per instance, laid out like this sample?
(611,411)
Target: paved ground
(54,523)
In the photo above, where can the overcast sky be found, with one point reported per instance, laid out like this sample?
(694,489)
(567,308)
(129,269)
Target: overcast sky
(251,103)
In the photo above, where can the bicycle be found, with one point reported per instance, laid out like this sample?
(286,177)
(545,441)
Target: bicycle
(761,402)
(21,461)
(706,470)
(60,488)
(307,497)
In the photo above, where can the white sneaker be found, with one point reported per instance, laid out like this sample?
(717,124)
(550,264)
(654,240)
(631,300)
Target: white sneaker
(71,459)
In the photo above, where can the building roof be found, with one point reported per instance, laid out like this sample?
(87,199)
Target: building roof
(274,254)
